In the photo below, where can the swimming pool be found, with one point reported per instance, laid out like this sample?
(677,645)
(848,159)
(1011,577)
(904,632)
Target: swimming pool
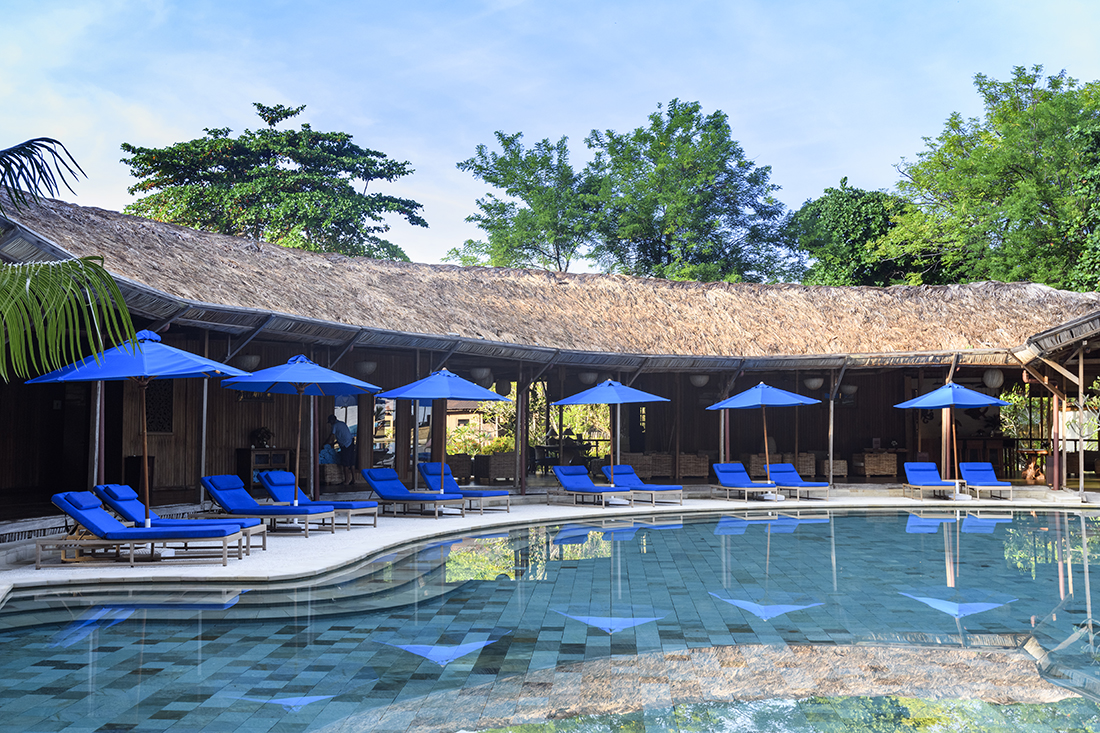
(796,620)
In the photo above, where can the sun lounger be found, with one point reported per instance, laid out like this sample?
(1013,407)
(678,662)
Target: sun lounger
(575,481)
(124,502)
(430,473)
(786,478)
(925,476)
(981,477)
(386,485)
(734,477)
(280,486)
(98,531)
(626,477)
(228,492)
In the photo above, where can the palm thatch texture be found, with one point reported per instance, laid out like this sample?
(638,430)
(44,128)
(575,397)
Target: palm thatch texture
(574,312)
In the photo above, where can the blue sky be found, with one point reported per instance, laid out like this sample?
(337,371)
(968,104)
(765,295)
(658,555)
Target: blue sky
(816,90)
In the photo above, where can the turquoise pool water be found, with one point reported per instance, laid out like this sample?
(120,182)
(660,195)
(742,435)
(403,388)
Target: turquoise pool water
(806,620)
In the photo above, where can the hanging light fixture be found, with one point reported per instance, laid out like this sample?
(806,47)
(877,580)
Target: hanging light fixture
(503,388)
(480,373)
(992,378)
(365,368)
(699,380)
(588,377)
(813,383)
(849,389)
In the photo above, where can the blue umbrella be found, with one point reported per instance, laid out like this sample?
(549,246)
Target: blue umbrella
(951,395)
(443,385)
(611,393)
(763,396)
(141,359)
(302,377)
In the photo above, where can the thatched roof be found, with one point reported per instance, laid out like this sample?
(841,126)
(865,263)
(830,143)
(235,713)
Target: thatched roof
(173,271)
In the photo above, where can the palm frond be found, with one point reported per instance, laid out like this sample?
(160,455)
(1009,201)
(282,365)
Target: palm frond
(51,312)
(35,168)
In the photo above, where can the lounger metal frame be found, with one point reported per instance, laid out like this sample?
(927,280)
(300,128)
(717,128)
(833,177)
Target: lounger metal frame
(80,545)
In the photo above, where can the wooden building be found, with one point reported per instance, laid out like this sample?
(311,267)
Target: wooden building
(231,298)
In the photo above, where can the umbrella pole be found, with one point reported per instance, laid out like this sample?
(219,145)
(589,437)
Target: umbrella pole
(767,456)
(142,384)
(298,445)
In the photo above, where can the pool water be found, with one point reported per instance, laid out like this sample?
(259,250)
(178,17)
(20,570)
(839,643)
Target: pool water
(796,620)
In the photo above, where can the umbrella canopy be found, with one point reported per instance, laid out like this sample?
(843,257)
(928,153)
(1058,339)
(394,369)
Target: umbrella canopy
(951,395)
(611,393)
(443,385)
(142,359)
(763,396)
(302,377)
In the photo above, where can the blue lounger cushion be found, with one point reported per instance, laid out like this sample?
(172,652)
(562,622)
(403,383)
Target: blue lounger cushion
(86,509)
(280,486)
(734,476)
(786,475)
(980,474)
(923,473)
(430,472)
(229,492)
(626,477)
(575,478)
(386,483)
(124,501)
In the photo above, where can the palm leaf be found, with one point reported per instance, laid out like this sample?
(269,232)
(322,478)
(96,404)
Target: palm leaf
(45,307)
(35,168)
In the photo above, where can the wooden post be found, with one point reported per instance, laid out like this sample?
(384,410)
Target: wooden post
(1055,468)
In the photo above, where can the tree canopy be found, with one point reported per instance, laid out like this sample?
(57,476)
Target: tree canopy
(839,231)
(1007,196)
(678,199)
(295,188)
(542,221)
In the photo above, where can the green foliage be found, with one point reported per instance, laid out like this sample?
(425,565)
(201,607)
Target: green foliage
(45,306)
(1006,197)
(35,168)
(678,199)
(542,221)
(293,188)
(839,231)
(469,439)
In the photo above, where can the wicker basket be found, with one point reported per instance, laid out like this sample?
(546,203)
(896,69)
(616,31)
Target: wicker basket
(840,467)
(756,465)
(694,465)
(805,464)
(462,467)
(660,464)
(331,474)
(875,464)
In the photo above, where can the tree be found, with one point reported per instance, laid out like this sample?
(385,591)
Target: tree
(543,220)
(44,305)
(998,197)
(840,230)
(678,199)
(289,187)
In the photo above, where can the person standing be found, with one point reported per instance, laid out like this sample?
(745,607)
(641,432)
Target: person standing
(345,456)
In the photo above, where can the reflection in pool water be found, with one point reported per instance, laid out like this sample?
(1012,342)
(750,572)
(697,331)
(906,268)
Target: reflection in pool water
(789,620)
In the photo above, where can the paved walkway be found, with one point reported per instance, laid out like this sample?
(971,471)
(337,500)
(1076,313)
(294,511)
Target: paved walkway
(292,556)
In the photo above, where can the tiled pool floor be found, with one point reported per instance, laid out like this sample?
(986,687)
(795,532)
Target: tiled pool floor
(512,629)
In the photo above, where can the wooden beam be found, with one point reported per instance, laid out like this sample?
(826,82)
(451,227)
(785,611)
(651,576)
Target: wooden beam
(255,332)
(1041,379)
(1061,369)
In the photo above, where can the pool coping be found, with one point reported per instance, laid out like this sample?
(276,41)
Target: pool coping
(328,553)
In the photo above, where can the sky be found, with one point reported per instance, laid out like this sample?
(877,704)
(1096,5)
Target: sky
(817,90)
